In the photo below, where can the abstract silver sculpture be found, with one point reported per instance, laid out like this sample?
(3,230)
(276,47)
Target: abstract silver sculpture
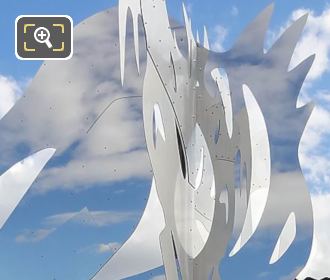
(222,131)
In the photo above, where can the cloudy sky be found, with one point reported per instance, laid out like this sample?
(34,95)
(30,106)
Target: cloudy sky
(89,198)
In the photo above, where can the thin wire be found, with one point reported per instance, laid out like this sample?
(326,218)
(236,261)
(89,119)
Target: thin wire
(106,108)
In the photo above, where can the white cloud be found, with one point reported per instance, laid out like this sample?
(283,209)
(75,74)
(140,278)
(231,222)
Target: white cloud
(313,152)
(220,34)
(111,247)
(318,264)
(82,217)
(324,96)
(60,219)
(10,91)
(234,11)
(51,224)
(84,171)
(30,236)
(315,40)
(91,218)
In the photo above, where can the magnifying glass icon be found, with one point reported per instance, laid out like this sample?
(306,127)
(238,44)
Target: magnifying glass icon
(42,35)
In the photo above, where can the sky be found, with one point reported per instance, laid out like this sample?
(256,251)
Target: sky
(78,213)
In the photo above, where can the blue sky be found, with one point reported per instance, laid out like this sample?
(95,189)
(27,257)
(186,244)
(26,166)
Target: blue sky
(67,231)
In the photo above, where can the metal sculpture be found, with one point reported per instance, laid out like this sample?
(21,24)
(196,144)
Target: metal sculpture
(222,131)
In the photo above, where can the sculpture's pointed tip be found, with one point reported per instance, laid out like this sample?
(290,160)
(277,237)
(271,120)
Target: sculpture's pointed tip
(271,7)
(286,44)
(137,61)
(266,13)
(251,41)
(52,151)
(184,9)
(206,39)
(197,37)
(304,66)
(185,15)
(305,17)
(301,21)
(313,57)
(187,22)
(310,60)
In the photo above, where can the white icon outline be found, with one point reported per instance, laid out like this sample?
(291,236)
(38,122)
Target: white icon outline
(43,31)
